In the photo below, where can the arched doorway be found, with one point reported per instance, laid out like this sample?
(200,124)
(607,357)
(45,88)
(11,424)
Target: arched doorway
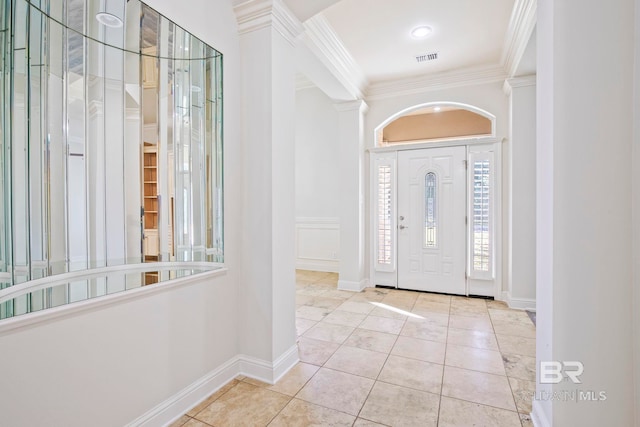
(435,198)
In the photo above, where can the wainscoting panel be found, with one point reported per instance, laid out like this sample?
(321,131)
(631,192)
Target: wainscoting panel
(318,244)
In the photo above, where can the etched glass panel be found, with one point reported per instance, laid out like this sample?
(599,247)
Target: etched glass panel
(430,210)
(384,215)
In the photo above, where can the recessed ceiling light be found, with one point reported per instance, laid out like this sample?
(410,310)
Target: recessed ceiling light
(421,32)
(437,109)
(109,20)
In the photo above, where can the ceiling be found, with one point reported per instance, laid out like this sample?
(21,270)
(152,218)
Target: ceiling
(467,35)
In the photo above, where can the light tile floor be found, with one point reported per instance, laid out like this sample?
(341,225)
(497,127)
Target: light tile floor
(389,357)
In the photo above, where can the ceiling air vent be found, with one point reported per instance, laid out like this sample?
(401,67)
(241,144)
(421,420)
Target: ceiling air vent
(427,57)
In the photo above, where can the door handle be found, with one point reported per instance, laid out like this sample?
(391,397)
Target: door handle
(402,227)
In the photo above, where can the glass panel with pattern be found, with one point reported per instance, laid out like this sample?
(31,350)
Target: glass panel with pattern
(430,210)
(384,215)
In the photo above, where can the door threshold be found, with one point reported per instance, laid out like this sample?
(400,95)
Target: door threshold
(437,293)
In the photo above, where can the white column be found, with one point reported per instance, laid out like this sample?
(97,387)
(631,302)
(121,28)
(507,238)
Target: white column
(522,193)
(351,171)
(584,188)
(268,34)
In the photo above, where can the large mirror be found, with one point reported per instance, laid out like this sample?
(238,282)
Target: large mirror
(110,139)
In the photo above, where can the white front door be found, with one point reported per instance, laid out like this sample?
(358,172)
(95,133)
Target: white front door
(431,220)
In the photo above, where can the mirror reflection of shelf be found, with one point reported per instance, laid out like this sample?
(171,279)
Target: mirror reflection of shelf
(151,246)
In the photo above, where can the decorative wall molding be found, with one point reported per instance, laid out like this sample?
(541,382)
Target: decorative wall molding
(325,44)
(302,82)
(358,105)
(521,25)
(253,15)
(173,407)
(323,41)
(317,220)
(517,82)
(318,244)
(416,85)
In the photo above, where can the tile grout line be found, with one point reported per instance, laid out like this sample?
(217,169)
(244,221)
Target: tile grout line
(515,403)
(444,365)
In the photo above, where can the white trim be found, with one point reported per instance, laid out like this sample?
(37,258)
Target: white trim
(59,279)
(284,363)
(302,82)
(538,417)
(189,397)
(357,105)
(441,81)
(523,21)
(522,304)
(528,304)
(516,82)
(30,319)
(328,264)
(460,105)
(324,43)
(254,15)
(435,144)
(328,220)
(186,399)
(347,285)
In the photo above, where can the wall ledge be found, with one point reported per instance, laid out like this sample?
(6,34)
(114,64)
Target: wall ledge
(37,318)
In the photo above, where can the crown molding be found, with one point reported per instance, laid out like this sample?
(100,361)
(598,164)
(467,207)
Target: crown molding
(323,41)
(521,25)
(302,82)
(447,80)
(358,105)
(254,15)
(516,82)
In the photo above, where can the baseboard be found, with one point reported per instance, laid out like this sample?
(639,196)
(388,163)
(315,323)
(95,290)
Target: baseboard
(346,285)
(538,417)
(284,363)
(266,372)
(187,398)
(329,266)
(173,408)
(519,303)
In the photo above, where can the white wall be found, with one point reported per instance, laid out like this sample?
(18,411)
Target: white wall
(521,253)
(108,367)
(267,279)
(317,182)
(584,275)
(636,214)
